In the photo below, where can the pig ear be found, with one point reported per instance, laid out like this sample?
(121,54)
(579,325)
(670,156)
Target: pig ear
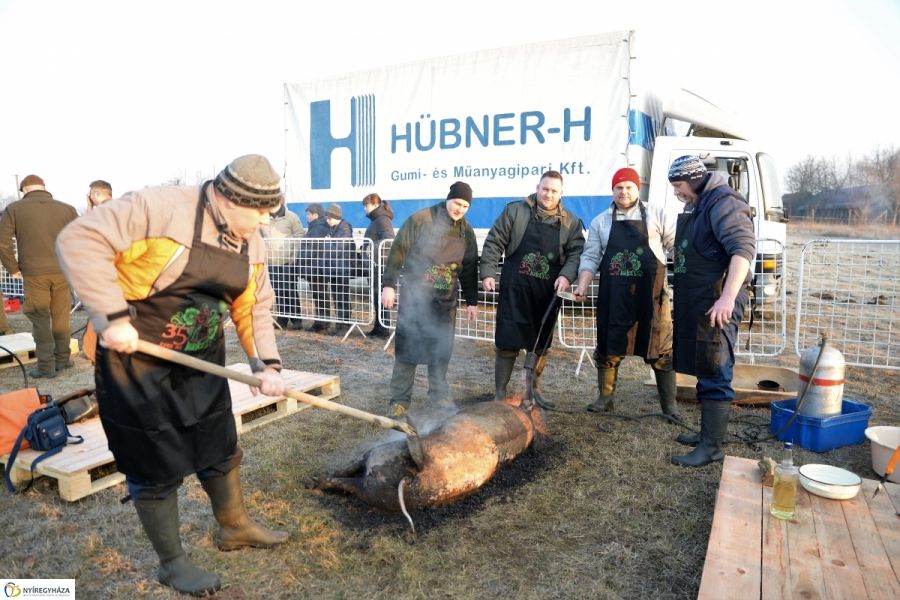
(416,451)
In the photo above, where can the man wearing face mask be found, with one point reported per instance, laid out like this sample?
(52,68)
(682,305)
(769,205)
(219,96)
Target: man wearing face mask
(542,242)
(627,245)
(714,247)
(167,265)
(436,252)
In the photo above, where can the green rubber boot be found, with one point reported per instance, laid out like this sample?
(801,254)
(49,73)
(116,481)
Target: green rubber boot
(504,364)
(237,529)
(665,385)
(159,519)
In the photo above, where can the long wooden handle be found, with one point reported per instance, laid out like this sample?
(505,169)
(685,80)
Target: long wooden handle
(214,369)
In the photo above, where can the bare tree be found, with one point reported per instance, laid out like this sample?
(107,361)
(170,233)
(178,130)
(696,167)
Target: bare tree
(814,175)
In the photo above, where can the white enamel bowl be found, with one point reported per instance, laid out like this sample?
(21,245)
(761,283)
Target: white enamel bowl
(829,482)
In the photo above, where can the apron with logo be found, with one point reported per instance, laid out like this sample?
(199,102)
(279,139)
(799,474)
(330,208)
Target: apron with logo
(700,348)
(426,319)
(526,289)
(632,315)
(164,421)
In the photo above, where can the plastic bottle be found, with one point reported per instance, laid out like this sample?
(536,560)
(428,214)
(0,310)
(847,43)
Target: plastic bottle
(784,490)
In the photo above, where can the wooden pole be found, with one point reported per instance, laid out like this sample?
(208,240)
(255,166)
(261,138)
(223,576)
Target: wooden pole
(214,369)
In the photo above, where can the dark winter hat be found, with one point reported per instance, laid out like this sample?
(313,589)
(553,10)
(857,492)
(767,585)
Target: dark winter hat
(250,181)
(460,190)
(30,180)
(626,174)
(688,168)
(334,212)
(316,209)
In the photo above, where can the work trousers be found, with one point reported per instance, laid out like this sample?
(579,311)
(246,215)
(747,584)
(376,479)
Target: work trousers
(718,385)
(48,301)
(404,376)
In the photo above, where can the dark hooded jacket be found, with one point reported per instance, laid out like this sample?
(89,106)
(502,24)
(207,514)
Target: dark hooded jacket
(723,226)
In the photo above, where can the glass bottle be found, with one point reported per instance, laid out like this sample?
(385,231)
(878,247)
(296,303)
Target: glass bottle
(784,490)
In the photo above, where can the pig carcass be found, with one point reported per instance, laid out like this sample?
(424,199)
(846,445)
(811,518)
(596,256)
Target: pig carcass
(454,460)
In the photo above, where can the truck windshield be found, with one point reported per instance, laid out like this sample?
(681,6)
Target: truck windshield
(771,189)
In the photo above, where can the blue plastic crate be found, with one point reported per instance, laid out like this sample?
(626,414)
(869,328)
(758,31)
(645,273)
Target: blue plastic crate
(821,434)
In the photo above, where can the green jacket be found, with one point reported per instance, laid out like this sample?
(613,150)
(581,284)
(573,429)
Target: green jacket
(508,230)
(417,230)
(34,221)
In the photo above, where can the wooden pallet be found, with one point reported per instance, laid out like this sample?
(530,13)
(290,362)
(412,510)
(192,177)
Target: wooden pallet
(252,411)
(22,345)
(86,468)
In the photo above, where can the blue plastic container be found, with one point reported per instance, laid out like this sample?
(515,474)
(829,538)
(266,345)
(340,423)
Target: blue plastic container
(821,434)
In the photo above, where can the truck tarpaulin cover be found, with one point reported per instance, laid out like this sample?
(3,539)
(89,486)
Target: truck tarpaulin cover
(496,119)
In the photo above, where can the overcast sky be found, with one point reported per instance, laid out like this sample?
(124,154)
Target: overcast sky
(139,92)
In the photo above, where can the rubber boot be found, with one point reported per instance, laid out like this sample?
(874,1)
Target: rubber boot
(237,529)
(504,364)
(539,364)
(688,439)
(665,385)
(606,386)
(159,519)
(714,417)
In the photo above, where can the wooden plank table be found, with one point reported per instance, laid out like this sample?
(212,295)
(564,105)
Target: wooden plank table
(836,549)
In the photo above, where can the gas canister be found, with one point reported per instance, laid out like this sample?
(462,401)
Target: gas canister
(825,395)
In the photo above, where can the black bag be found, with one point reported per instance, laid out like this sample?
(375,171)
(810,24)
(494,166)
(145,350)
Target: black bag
(45,431)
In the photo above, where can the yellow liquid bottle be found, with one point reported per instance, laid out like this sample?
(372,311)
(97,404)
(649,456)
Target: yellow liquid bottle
(784,490)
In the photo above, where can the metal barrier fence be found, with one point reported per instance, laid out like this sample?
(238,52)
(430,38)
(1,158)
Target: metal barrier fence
(849,290)
(325,280)
(763,332)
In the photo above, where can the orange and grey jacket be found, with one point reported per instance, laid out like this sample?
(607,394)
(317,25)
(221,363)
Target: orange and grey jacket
(136,246)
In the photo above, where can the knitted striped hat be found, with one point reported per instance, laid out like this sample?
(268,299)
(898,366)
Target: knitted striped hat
(251,182)
(688,168)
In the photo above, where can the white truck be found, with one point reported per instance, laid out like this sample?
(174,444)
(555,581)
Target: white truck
(498,118)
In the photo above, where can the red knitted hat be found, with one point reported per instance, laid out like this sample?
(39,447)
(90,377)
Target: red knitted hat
(626,174)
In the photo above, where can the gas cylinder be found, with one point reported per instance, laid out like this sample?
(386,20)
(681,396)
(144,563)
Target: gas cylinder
(825,396)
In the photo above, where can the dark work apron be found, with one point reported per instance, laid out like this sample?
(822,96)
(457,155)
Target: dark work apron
(165,421)
(632,303)
(700,349)
(426,320)
(526,289)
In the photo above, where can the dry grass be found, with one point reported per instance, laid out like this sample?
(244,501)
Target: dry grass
(599,513)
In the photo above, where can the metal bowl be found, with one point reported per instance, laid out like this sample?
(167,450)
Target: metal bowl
(829,482)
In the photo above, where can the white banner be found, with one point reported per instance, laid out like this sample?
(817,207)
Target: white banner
(496,119)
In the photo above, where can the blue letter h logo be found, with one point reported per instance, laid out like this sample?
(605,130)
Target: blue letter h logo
(360,142)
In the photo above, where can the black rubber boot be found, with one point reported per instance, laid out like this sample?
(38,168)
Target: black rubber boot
(237,529)
(714,417)
(688,439)
(665,385)
(539,363)
(504,364)
(606,387)
(159,519)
